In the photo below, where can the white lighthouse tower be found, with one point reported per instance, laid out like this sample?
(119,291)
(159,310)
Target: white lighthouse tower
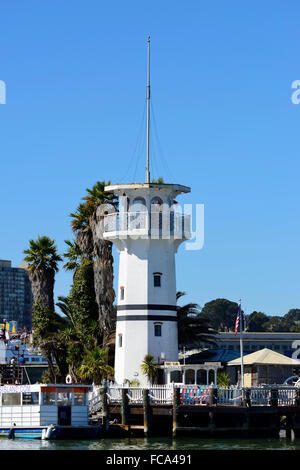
(147,230)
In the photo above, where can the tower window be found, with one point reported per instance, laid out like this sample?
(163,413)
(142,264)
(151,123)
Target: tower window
(157,329)
(122,293)
(120,341)
(157,279)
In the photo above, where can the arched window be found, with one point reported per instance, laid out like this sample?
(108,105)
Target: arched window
(138,210)
(138,205)
(156,213)
(176,376)
(156,204)
(211,376)
(201,377)
(189,376)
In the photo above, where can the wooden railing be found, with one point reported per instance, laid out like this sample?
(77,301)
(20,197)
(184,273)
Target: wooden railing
(200,395)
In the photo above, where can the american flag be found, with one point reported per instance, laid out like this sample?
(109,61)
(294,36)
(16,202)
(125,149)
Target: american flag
(237,321)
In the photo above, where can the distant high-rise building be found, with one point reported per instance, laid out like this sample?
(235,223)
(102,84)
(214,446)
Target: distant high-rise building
(15,294)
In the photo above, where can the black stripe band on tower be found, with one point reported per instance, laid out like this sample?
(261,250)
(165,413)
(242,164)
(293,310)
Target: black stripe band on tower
(147,317)
(172,308)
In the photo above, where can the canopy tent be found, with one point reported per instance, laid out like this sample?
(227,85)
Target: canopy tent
(265,367)
(265,356)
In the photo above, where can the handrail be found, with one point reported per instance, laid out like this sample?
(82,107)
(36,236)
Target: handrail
(156,222)
(198,395)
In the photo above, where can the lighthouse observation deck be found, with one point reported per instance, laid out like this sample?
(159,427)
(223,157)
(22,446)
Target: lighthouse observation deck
(165,224)
(148,210)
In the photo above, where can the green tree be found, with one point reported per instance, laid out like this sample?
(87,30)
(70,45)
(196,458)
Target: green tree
(81,300)
(65,307)
(94,366)
(83,332)
(42,259)
(293,318)
(159,180)
(47,328)
(74,256)
(149,368)
(132,383)
(221,313)
(192,326)
(223,379)
(88,224)
(256,321)
(278,324)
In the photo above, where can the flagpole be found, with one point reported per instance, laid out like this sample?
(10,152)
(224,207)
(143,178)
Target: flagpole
(241,344)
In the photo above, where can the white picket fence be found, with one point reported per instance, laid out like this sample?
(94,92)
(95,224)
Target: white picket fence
(157,394)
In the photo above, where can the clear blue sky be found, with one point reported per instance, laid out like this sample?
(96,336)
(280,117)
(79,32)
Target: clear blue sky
(221,75)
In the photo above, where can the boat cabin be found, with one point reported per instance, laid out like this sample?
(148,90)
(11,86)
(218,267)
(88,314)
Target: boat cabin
(38,406)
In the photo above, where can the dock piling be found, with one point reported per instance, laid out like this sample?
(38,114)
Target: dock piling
(176,403)
(274,397)
(297,399)
(147,412)
(105,414)
(213,396)
(124,406)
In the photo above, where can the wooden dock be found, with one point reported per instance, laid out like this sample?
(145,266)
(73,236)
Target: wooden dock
(210,411)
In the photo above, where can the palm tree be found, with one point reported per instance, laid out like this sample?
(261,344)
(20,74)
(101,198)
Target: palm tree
(80,226)
(97,195)
(74,343)
(192,327)
(73,255)
(47,328)
(223,379)
(149,368)
(97,200)
(82,332)
(88,224)
(66,309)
(94,367)
(42,259)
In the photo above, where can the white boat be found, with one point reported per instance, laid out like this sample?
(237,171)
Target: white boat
(45,411)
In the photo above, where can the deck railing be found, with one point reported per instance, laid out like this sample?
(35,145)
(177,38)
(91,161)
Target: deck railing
(265,395)
(96,404)
(154,223)
(201,395)
(230,396)
(161,394)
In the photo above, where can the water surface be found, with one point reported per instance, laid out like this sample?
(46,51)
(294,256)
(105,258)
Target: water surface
(154,443)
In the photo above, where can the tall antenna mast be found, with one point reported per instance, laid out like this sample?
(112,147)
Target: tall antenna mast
(148,114)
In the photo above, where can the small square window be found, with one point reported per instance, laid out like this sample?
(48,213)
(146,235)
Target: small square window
(157,330)
(157,280)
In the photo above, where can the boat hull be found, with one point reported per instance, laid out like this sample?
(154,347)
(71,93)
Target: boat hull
(71,432)
(51,432)
(24,433)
